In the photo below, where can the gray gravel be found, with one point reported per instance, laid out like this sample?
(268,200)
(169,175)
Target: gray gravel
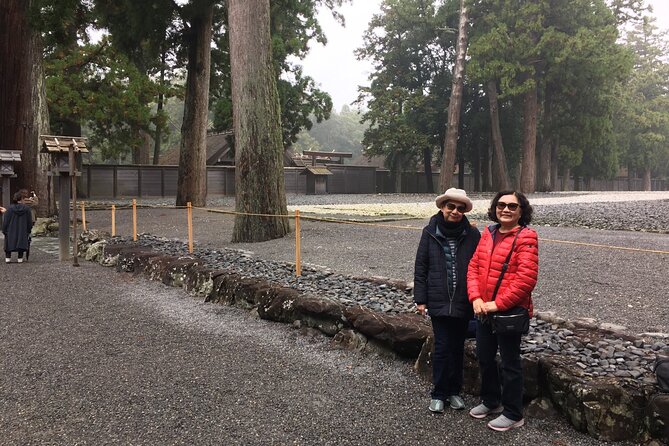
(94,357)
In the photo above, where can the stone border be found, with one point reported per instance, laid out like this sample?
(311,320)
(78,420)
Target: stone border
(607,408)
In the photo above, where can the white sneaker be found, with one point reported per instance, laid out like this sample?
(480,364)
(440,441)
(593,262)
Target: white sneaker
(502,423)
(20,260)
(8,260)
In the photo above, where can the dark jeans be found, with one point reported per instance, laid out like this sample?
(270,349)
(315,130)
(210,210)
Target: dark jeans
(447,360)
(509,392)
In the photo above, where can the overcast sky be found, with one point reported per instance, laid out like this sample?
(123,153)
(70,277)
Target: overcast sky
(335,67)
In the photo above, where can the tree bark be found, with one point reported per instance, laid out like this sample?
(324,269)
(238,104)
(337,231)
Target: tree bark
(455,104)
(545,149)
(259,180)
(23,107)
(500,175)
(554,162)
(476,165)
(565,179)
(158,137)
(192,177)
(528,168)
(646,179)
(427,165)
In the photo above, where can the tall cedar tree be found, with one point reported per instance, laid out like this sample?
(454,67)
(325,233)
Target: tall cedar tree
(23,115)
(259,181)
(192,178)
(455,104)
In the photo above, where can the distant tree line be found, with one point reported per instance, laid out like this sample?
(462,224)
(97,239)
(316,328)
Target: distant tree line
(551,87)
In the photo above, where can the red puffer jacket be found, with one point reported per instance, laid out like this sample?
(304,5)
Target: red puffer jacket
(520,277)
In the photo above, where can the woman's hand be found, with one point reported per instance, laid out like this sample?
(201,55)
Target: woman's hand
(422,309)
(490,307)
(2,210)
(479,307)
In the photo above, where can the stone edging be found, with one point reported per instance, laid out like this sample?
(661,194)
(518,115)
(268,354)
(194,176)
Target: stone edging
(607,408)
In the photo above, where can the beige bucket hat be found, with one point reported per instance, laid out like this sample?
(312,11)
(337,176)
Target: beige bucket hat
(455,195)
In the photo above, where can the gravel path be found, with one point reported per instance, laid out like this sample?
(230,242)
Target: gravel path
(94,357)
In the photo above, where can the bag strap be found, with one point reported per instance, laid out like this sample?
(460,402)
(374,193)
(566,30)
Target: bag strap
(506,264)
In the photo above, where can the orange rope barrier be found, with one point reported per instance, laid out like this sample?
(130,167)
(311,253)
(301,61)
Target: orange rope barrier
(332,220)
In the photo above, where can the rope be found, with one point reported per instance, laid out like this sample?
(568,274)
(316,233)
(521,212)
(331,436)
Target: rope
(414,228)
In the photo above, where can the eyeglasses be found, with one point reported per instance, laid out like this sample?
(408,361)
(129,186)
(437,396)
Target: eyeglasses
(461,208)
(512,206)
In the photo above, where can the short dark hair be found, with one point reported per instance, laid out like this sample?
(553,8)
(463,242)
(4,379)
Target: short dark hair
(21,194)
(525,207)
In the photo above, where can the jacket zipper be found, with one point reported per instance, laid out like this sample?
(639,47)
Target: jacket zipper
(448,292)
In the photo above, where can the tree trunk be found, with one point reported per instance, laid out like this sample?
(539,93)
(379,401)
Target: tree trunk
(140,154)
(455,104)
(554,162)
(259,180)
(528,168)
(565,179)
(159,111)
(427,164)
(545,149)
(23,107)
(476,165)
(500,175)
(192,178)
(646,179)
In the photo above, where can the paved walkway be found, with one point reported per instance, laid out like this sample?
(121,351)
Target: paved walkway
(90,356)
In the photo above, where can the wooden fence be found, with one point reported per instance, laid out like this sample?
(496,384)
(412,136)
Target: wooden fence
(102,181)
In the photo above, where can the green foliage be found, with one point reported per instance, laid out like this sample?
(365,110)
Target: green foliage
(643,108)
(293,26)
(97,86)
(411,47)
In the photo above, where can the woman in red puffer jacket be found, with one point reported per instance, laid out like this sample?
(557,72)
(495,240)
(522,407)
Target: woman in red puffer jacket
(512,213)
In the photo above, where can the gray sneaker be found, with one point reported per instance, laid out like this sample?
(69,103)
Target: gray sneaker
(436,406)
(502,423)
(482,411)
(457,402)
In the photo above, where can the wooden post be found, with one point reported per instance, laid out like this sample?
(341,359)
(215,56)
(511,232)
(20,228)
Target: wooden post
(134,220)
(298,260)
(190,227)
(113,222)
(73,179)
(83,216)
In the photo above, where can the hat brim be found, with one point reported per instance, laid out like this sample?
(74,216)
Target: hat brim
(453,197)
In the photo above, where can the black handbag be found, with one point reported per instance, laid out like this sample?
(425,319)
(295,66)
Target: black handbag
(516,319)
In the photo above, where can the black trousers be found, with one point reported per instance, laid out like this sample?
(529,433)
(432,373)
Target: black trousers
(509,390)
(448,356)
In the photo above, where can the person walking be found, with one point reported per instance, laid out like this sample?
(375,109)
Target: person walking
(446,245)
(17,222)
(508,241)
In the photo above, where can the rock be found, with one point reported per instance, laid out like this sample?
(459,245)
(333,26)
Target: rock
(404,334)
(349,340)
(541,408)
(614,328)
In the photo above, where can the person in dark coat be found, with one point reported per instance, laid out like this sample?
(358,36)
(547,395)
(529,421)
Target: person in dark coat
(17,222)
(440,290)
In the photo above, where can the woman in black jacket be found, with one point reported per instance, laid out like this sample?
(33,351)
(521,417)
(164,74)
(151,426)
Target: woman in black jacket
(17,223)
(440,288)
